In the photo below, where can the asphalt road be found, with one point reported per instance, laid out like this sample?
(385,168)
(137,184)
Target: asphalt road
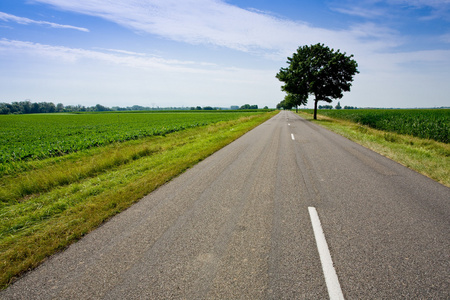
(238,226)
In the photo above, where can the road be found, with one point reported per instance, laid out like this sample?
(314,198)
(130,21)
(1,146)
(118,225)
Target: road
(239,226)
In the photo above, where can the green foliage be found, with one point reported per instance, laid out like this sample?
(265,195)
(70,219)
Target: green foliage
(284,105)
(319,71)
(296,100)
(424,123)
(26,107)
(248,106)
(26,137)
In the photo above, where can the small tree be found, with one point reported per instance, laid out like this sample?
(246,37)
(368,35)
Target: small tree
(338,106)
(59,107)
(296,100)
(319,71)
(284,105)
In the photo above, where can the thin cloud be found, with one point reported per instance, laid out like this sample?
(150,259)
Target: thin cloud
(122,51)
(445,38)
(370,9)
(421,3)
(118,57)
(25,21)
(360,12)
(216,23)
(192,21)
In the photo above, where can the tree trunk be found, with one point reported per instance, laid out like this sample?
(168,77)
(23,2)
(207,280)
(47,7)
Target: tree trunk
(315,109)
(296,108)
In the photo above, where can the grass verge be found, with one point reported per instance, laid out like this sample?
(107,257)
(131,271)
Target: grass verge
(45,209)
(425,156)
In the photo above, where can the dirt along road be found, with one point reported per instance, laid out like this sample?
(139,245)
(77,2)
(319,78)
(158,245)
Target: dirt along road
(288,211)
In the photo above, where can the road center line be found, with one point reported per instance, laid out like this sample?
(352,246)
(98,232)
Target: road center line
(292,136)
(331,279)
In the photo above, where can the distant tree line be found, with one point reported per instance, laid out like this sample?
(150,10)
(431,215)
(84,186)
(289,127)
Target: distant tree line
(338,106)
(234,107)
(27,107)
(248,106)
(204,108)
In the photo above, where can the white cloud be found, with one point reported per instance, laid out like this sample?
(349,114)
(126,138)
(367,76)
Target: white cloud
(25,21)
(217,23)
(117,57)
(191,21)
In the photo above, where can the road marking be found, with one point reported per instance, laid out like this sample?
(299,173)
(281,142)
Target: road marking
(292,136)
(289,124)
(331,279)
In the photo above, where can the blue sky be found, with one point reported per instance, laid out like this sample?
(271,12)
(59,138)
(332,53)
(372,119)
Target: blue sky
(218,53)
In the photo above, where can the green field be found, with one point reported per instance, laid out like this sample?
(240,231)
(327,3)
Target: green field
(424,123)
(66,174)
(40,136)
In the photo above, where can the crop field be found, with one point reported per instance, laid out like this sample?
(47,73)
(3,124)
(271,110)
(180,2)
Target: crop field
(39,136)
(423,123)
(63,175)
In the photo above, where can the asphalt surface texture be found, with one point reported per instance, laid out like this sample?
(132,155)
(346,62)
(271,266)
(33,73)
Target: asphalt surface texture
(236,226)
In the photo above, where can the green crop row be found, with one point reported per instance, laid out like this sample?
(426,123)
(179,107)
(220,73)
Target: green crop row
(28,137)
(424,123)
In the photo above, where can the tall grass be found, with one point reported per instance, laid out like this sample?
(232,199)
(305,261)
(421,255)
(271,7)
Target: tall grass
(14,188)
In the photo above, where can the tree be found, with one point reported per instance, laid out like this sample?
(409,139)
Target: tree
(320,71)
(59,107)
(338,106)
(284,105)
(296,100)
(99,107)
(248,106)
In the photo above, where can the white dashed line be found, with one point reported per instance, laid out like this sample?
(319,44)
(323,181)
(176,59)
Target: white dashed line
(331,279)
(292,136)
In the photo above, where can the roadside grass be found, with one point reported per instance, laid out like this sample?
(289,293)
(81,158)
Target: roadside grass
(59,200)
(425,156)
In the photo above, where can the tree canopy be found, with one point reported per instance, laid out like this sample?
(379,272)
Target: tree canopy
(320,71)
(293,100)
